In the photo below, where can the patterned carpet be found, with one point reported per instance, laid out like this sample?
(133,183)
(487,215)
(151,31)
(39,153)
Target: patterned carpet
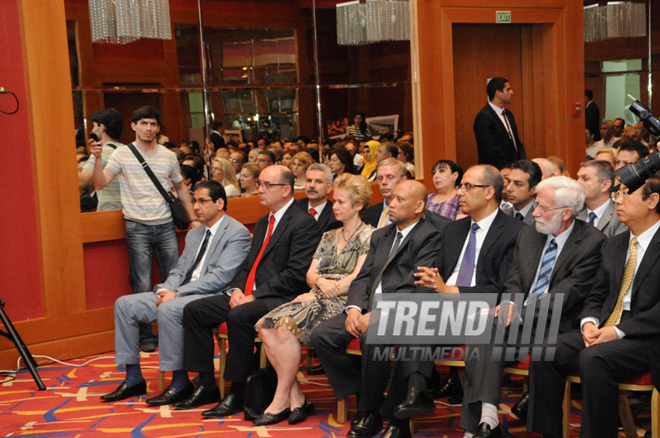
(70,407)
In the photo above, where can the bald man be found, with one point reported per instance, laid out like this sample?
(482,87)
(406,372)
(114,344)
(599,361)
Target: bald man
(395,252)
(548,168)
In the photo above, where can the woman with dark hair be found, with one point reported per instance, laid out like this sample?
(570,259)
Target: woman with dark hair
(446,176)
(359,130)
(407,157)
(341,162)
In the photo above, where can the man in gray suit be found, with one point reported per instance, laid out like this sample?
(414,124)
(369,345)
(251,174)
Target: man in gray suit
(597,179)
(524,176)
(212,256)
(559,255)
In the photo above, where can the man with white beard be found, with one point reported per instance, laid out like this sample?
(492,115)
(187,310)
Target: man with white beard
(560,254)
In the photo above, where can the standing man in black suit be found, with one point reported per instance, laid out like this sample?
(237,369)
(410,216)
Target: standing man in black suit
(317,186)
(620,334)
(395,252)
(493,237)
(389,173)
(495,129)
(559,255)
(273,273)
(216,136)
(591,114)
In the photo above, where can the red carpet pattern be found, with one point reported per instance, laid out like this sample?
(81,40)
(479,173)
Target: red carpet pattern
(70,407)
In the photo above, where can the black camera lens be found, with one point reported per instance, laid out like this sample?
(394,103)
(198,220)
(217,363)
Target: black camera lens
(635,174)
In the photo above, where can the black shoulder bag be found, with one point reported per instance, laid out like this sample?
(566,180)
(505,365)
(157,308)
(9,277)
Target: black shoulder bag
(179,215)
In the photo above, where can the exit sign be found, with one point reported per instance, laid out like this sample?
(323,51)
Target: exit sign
(503,17)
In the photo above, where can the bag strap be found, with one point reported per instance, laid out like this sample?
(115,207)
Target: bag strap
(151,175)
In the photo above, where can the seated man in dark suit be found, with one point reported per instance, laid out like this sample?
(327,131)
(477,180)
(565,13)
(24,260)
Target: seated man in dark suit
(491,235)
(523,178)
(559,255)
(395,252)
(620,333)
(318,184)
(212,256)
(389,173)
(273,273)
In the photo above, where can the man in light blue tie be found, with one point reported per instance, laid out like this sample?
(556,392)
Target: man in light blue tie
(559,255)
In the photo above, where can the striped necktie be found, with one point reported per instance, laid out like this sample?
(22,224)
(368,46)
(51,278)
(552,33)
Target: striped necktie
(547,263)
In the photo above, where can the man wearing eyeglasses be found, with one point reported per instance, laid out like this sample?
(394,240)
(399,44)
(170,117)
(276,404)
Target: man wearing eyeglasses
(474,258)
(213,254)
(619,334)
(559,255)
(273,273)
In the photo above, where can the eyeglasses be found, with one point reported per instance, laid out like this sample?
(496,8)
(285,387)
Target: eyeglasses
(267,185)
(201,201)
(544,208)
(233,160)
(216,169)
(619,195)
(467,186)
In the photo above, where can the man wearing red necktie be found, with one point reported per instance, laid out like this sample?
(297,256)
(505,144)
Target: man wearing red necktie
(274,273)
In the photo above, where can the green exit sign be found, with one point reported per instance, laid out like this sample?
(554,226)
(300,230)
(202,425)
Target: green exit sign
(503,17)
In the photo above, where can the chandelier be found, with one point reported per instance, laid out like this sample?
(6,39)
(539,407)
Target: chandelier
(615,20)
(372,22)
(125,21)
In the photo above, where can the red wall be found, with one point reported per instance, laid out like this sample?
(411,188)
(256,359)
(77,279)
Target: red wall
(19,256)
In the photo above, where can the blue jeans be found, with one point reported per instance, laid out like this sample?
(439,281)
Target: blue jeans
(143,241)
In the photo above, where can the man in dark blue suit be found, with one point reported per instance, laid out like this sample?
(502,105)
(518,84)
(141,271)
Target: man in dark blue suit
(495,128)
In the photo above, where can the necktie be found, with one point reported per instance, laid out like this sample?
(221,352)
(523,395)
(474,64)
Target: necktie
(395,247)
(592,219)
(520,217)
(383,220)
(249,284)
(547,263)
(508,130)
(628,275)
(312,211)
(466,271)
(198,259)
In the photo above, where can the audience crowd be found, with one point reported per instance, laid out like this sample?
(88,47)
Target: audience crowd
(309,275)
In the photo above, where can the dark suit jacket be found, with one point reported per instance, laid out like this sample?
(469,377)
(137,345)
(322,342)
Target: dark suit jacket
(592,119)
(326,220)
(494,257)
(493,142)
(574,271)
(372,216)
(645,302)
(527,220)
(217,140)
(284,263)
(419,248)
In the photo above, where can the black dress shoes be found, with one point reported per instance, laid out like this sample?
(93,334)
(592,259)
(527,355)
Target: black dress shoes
(396,431)
(485,431)
(265,419)
(298,415)
(171,396)
(229,405)
(200,396)
(520,408)
(417,403)
(451,387)
(366,425)
(124,391)
(315,370)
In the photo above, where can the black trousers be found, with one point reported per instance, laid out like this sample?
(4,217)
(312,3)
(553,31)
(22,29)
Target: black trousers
(602,367)
(199,319)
